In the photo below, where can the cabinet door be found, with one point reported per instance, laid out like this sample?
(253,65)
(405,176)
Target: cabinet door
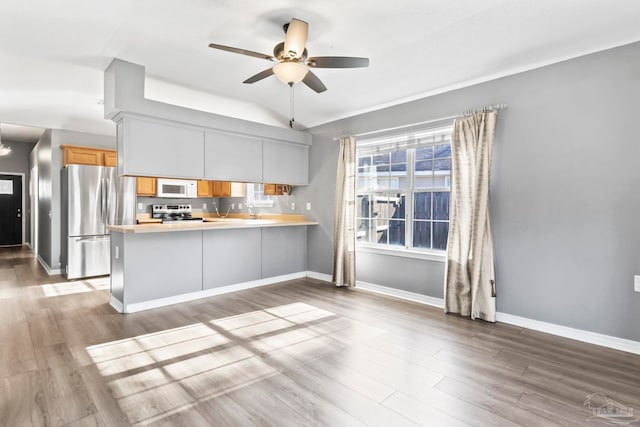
(225,189)
(145,186)
(205,189)
(284,250)
(110,158)
(232,157)
(162,149)
(285,163)
(73,155)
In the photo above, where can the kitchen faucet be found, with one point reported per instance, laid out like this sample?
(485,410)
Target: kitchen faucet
(218,213)
(252,211)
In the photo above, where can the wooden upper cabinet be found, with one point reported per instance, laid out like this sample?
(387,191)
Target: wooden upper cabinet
(77,155)
(205,189)
(145,186)
(110,158)
(221,188)
(277,189)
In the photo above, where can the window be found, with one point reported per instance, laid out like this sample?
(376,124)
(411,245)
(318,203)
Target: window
(402,190)
(256,197)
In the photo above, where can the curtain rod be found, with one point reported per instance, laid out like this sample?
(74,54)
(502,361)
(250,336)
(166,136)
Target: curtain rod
(485,109)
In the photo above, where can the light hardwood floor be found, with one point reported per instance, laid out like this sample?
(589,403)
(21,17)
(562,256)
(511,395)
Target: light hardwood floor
(292,354)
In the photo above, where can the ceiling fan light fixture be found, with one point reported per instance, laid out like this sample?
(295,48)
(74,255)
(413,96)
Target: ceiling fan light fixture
(290,72)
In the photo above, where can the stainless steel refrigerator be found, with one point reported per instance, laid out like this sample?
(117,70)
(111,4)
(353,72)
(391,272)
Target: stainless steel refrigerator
(95,197)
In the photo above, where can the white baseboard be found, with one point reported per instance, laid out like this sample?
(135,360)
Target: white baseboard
(319,276)
(609,341)
(398,293)
(616,343)
(161,302)
(50,271)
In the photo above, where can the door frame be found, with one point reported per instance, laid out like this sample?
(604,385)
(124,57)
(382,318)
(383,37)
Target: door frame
(22,177)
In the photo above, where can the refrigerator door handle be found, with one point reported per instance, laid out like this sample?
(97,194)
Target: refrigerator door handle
(103,200)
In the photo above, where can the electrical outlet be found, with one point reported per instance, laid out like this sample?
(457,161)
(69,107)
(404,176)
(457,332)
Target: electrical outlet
(308,206)
(293,206)
(140,206)
(239,205)
(204,206)
(636,283)
(233,205)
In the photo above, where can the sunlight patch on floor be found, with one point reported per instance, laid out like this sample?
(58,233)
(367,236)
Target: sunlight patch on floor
(77,287)
(156,375)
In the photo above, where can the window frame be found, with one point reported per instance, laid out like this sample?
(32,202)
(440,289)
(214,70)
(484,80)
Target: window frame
(407,250)
(257,188)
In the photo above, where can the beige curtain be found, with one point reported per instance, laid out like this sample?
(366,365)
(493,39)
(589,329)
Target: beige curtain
(469,287)
(344,235)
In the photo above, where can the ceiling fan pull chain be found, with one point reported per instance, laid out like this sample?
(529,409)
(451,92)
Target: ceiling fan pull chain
(291,107)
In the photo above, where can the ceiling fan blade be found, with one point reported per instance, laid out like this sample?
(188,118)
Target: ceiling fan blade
(296,38)
(337,62)
(261,75)
(314,82)
(242,51)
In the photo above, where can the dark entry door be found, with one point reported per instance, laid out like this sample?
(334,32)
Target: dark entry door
(10,210)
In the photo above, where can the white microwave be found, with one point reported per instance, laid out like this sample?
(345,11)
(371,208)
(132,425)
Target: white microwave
(176,188)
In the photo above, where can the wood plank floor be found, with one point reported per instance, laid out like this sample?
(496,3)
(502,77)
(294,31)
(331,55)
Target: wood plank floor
(292,354)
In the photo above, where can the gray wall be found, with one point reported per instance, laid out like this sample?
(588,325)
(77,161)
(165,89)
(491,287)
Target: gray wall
(42,156)
(49,158)
(18,162)
(563,198)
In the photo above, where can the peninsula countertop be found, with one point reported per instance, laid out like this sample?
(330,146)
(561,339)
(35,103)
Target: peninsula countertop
(215,223)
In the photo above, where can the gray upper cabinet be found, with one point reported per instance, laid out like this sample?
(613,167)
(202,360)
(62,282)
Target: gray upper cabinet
(154,148)
(285,163)
(232,157)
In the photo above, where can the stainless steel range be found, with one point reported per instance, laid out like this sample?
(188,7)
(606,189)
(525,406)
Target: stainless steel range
(173,213)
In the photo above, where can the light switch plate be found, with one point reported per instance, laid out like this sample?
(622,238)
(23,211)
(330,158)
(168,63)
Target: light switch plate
(204,206)
(308,206)
(636,283)
(239,205)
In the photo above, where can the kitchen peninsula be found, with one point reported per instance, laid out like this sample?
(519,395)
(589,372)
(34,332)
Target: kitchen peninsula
(154,265)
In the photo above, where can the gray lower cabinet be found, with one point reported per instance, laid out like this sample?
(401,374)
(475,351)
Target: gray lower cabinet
(231,256)
(232,157)
(285,163)
(283,250)
(160,265)
(153,148)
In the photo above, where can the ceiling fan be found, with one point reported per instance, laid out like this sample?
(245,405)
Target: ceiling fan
(293,64)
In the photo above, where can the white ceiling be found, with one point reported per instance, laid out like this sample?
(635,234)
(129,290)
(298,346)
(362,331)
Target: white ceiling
(53,53)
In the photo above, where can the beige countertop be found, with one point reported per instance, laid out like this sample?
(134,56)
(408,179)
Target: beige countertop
(211,224)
